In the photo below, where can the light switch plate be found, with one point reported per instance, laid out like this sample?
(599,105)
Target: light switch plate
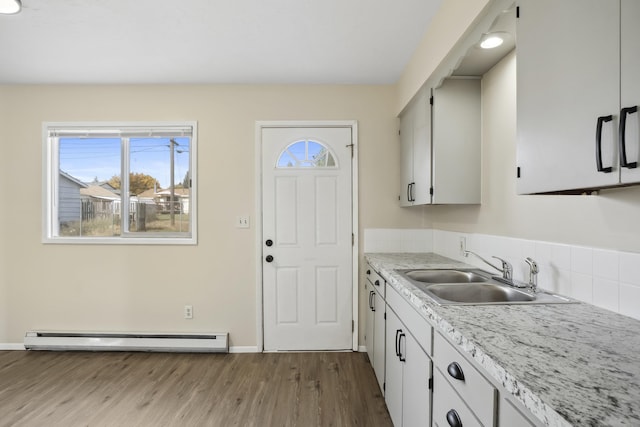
(242,222)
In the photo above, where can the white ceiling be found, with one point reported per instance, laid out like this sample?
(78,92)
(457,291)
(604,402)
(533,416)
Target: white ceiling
(211,41)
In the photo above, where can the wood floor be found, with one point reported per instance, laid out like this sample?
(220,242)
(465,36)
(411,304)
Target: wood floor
(68,389)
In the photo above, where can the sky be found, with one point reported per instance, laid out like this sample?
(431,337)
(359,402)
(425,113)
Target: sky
(90,158)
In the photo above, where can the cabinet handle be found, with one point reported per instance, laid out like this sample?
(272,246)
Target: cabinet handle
(377,283)
(455,371)
(413,185)
(622,137)
(372,301)
(408,192)
(453,418)
(398,332)
(601,120)
(368,272)
(400,356)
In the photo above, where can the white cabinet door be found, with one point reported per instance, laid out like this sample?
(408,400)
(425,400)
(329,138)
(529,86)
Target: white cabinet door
(456,142)
(415,152)
(416,402)
(369,333)
(630,84)
(379,338)
(406,157)
(422,151)
(567,77)
(393,373)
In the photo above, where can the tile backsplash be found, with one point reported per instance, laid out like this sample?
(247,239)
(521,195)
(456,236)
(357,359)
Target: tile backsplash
(605,278)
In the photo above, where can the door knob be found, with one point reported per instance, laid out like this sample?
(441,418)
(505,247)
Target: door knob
(269,258)
(269,242)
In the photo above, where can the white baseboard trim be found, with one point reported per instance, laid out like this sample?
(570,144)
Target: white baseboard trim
(362,349)
(11,346)
(244,349)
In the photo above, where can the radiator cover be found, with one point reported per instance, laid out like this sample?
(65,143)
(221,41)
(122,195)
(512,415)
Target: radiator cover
(127,341)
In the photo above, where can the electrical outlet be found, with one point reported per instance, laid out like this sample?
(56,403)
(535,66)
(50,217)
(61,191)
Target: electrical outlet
(188,312)
(242,222)
(463,245)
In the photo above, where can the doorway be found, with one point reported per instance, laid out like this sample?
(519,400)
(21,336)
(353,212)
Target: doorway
(308,246)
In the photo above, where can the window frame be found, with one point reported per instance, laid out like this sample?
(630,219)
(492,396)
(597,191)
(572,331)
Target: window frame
(50,186)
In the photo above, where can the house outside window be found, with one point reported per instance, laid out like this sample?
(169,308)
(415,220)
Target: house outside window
(123,183)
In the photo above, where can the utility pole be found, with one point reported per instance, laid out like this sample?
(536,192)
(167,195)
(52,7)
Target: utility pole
(172,188)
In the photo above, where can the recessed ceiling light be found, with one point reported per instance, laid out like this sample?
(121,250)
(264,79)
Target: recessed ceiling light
(491,41)
(9,7)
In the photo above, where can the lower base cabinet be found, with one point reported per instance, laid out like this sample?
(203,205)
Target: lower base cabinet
(408,373)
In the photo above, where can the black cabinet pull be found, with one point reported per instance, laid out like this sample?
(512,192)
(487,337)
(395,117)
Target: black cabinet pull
(400,356)
(269,242)
(368,272)
(408,192)
(623,135)
(377,283)
(269,258)
(453,418)
(398,332)
(455,371)
(413,185)
(601,120)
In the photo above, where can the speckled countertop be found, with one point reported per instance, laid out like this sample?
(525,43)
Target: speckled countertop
(569,364)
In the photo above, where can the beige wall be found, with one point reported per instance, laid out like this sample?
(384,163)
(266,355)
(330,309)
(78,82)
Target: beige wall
(145,287)
(448,25)
(609,220)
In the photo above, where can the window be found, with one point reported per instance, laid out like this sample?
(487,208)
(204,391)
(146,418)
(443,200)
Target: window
(120,183)
(306,154)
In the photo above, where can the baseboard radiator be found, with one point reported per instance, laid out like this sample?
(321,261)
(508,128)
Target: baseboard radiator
(119,341)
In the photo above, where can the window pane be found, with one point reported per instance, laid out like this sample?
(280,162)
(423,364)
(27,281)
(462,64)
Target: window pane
(306,154)
(88,187)
(159,203)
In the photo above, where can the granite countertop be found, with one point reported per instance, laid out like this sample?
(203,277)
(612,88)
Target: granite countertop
(569,364)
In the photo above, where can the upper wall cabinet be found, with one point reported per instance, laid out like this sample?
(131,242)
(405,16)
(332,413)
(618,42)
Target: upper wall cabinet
(440,129)
(440,145)
(578,92)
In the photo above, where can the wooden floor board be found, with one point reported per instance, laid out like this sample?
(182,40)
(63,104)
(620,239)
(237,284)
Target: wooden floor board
(167,389)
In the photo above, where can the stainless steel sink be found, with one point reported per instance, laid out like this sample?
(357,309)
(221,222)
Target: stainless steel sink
(473,287)
(446,276)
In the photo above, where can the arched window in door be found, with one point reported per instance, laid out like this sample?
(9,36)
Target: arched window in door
(306,154)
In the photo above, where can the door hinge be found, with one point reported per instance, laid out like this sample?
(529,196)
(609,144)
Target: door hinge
(518,172)
(430,383)
(190,184)
(431,100)
(517,11)
(385,315)
(353,326)
(384,386)
(353,239)
(431,191)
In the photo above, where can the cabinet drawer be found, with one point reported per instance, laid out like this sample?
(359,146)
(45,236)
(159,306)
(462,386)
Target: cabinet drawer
(376,280)
(418,325)
(446,401)
(474,389)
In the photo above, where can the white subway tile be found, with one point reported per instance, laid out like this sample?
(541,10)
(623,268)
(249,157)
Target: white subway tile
(606,293)
(561,256)
(606,264)
(582,287)
(630,268)
(582,260)
(630,300)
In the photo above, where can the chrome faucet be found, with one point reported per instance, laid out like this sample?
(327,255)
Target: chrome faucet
(533,274)
(506,270)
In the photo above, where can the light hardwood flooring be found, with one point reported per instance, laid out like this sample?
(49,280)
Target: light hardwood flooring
(39,388)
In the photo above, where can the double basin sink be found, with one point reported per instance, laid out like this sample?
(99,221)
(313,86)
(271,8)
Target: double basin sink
(474,287)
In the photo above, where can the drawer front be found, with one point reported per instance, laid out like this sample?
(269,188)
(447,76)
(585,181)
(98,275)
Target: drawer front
(421,330)
(448,407)
(376,280)
(475,390)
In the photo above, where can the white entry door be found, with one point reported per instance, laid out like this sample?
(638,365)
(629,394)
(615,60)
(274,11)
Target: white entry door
(307,238)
